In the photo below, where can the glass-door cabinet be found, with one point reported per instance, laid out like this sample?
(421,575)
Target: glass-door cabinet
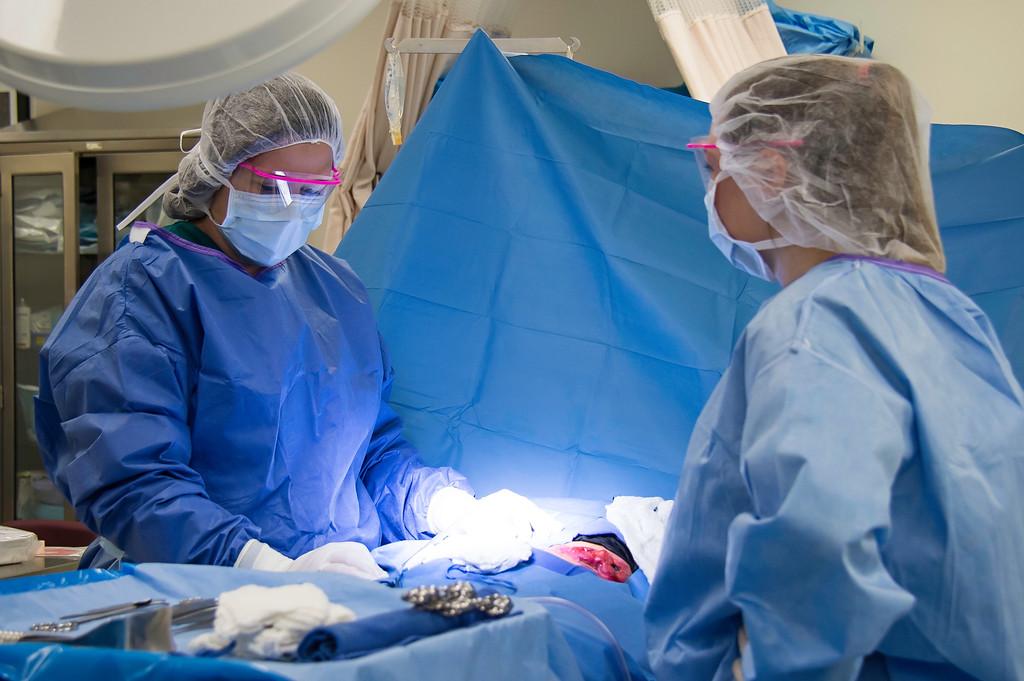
(60,201)
(123,181)
(40,244)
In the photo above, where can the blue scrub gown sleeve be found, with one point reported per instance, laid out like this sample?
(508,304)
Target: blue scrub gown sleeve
(400,485)
(822,447)
(114,431)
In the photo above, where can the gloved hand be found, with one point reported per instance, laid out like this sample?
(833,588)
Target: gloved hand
(492,534)
(447,506)
(347,557)
(504,513)
(344,557)
(519,517)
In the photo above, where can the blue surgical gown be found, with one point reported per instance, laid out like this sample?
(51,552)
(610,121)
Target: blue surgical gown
(186,407)
(852,493)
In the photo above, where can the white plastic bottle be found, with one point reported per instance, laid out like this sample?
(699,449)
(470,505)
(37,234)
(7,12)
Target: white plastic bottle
(22,326)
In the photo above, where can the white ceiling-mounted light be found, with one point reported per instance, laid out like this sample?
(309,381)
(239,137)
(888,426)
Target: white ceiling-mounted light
(135,55)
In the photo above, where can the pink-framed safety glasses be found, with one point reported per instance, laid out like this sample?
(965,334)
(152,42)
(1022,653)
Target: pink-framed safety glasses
(288,186)
(703,143)
(703,146)
(331,180)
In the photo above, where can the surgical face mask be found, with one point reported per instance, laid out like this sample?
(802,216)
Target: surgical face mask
(264,230)
(743,255)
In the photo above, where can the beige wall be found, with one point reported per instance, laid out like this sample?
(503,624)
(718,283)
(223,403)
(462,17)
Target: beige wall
(345,67)
(967,58)
(616,35)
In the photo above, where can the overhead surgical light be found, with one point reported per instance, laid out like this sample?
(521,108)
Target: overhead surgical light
(136,55)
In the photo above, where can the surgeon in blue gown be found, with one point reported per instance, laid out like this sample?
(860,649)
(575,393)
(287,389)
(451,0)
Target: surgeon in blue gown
(217,391)
(853,495)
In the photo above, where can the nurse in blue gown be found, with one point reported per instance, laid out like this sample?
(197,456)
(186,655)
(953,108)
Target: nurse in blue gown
(852,494)
(217,391)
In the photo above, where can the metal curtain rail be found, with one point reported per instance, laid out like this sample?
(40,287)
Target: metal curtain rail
(508,46)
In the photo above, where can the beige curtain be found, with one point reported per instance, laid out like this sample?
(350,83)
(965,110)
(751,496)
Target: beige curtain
(370,150)
(713,40)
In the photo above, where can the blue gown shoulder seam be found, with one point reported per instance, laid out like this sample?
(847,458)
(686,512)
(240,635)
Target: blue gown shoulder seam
(133,261)
(805,308)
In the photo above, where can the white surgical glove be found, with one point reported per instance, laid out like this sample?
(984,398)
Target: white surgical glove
(519,517)
(346,557)
(492,534)
(256,555)
(504,512)
(447,507)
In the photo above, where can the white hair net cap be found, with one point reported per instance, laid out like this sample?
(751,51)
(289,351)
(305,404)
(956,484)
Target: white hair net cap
(286,110)
(832,152)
